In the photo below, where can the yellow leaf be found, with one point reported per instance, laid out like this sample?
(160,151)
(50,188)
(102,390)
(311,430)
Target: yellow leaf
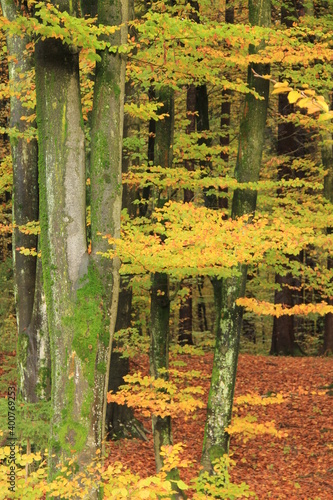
(323,105)
(305,102)
(310,92)
(278,85)
(325,116)
(282,90)
(293,96)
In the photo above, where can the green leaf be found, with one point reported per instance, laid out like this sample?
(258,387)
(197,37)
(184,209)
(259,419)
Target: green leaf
(181,485)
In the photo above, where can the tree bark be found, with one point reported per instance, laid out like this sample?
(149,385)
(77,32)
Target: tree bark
(81,292)
(327,159)
(222,202)
(159,355)
(185,310)
(160,302)
(63,242)
(291,142)
(251,138)
(106,189)
(32,346)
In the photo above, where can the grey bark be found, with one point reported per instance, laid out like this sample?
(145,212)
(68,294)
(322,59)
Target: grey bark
(81,292)
(63,237)
(33,346)
(106,189)
(251,137)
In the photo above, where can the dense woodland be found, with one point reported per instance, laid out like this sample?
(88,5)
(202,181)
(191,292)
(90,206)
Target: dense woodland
(166,188)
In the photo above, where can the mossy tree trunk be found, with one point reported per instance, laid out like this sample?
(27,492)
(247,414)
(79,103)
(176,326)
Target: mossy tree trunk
(81,291)
(33,347)
(251,138)
(120,420)
(106,189)
(63,241)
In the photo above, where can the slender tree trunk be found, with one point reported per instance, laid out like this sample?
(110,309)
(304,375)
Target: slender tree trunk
(33,347)
(225,111)
(222,202)
(159,354)
(160,302)
(185,311)
(202,313)
(327,159)
(120,421)
(119,417)
(106,189)
(216,439)
(291,142)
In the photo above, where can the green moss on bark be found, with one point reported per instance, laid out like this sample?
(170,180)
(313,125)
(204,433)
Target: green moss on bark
(89,322)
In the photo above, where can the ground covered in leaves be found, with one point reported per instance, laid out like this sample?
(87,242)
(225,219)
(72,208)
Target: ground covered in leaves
(296,466)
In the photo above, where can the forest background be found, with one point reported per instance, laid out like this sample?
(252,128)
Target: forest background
(223,185)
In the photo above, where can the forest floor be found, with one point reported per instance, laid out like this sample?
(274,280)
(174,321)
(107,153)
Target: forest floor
(296,466)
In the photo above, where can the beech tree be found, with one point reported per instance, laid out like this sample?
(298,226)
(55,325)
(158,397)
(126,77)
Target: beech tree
(180,237)
(81,288)
(216,440)
(33,340)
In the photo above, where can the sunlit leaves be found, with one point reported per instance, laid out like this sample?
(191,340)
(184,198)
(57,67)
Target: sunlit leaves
(277,310)
(249,428)
(159,396)
(76,32)
(189,240)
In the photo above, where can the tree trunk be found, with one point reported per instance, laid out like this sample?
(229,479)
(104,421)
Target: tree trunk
(225,112)
(106,189)
(327,159)
(159,354)
(219,409)
(63,242)
(32,347)
(291,142)
(185,311)
(222,202)
(81,293)
(160,302)
(120,421)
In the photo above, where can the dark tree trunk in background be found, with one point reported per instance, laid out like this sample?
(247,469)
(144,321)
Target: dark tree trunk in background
(292,143)
(159,355)
(143,208)
(202,313)
(120,421)
(283,336)
(225,113)
(222,201)
(33,353)
(160,302)
(185,311)
(327,159)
